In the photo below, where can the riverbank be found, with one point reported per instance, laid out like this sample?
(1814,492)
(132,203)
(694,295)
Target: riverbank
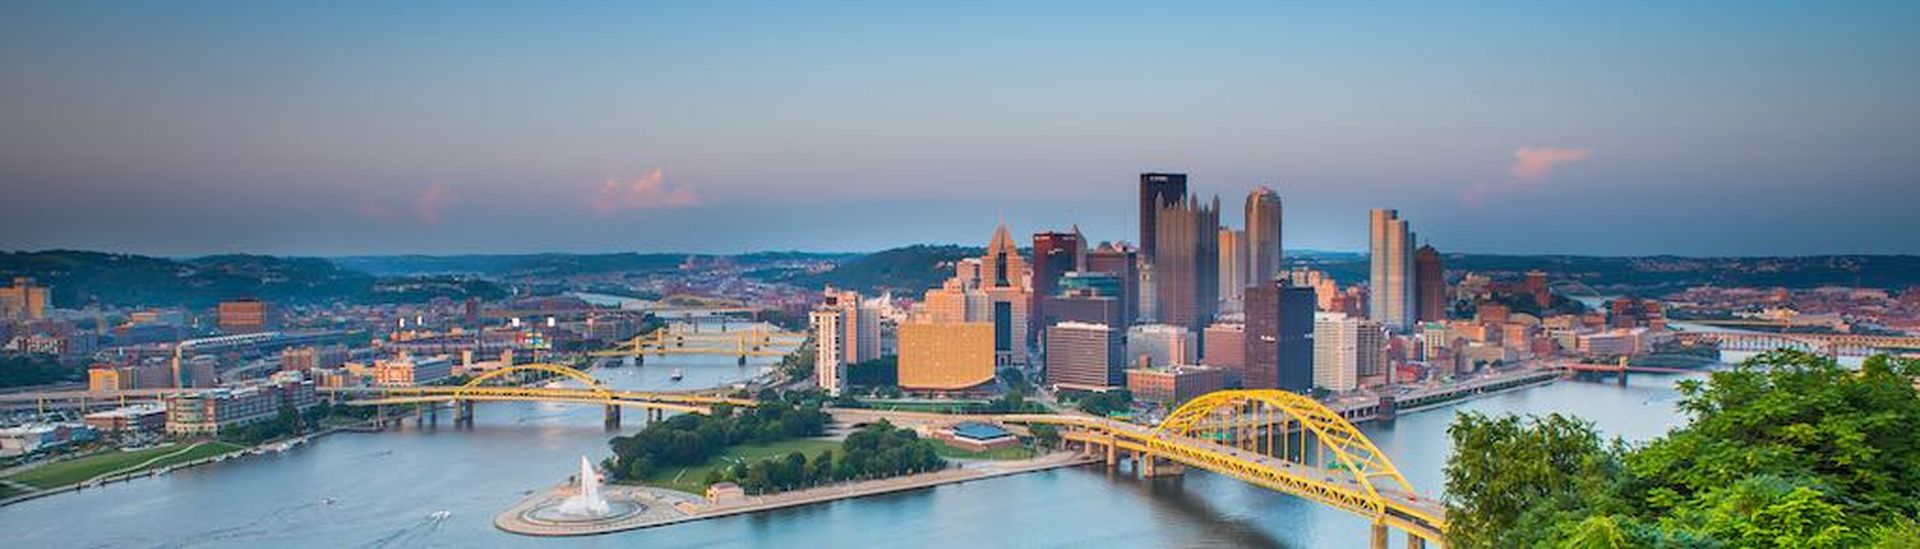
(679,507)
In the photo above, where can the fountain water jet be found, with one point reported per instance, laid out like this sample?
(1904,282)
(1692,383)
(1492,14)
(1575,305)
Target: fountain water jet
(588,502)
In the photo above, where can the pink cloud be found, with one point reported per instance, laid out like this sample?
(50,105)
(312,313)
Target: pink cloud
(1530,169)
(432,202)
(646,193)
(1536,163)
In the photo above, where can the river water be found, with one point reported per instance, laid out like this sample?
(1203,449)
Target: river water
(383,489)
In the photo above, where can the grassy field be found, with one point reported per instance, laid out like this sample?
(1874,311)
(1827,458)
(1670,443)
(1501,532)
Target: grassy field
(8,491)
(1015,452)
(81,469)
(693,479)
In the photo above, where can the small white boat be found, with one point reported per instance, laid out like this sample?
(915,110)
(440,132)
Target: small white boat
(676,375)
(440,515)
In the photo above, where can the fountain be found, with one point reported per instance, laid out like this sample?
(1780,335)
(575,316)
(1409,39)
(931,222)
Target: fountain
(588,502)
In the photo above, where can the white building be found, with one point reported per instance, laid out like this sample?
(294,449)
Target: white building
(829,366)
(1343,348)
(1159,345)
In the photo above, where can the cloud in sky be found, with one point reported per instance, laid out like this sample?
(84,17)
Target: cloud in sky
(1531,164)
(432,202)
(1530,169)
(646,193)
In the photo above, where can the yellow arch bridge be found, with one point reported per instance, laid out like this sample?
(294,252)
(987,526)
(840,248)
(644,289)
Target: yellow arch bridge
(1273,439)
(484,388)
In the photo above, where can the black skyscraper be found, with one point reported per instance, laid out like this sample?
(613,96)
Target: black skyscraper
(1157,190)
(1279,337)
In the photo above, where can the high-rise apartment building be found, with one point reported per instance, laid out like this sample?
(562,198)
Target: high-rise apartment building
(1429,285)
(1263,236)
(1390,280)
(1279,337)
(1233,268)
(1186,284)
(1083,355)
(1343,347)
(1157,190)
(829,366)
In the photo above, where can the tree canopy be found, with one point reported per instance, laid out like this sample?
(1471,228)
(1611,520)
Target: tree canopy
(1785,450)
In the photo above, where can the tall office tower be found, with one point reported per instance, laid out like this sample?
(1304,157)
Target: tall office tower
(1002,267)
(1186,281)
(1429,285)
(829,366)
(1084,355)
(1157,190)
(1054,255)
(1279,337)
(1390,282)
(1263,235)
(1343,348)
(1149,298)
(1233,268)
(1325,290)
(992,290)
(1123,263)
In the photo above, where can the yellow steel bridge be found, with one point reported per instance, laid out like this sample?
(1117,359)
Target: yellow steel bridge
(675,341)
(481,389)
(1273,439)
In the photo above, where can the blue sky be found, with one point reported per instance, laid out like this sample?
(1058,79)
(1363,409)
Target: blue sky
(1705,128)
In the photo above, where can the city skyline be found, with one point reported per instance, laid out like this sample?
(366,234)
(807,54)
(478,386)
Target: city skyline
(194,131)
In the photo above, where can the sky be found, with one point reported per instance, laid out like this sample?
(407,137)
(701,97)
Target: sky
(346,127)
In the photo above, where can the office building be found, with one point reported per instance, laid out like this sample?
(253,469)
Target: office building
(1174,385)
(1186,281)
(1344,347)
(1263,236)
(1279,337)
(23,300)
(309,357)
(1232,269)
(1055,255)
(1429,285)
(946,356)
(1159,345)
(209,412)
(1157,190)
(1326,292)
(1004,279)
(1390,279)
(408,371)
(1226,346)
(1083,355)
(240,316)
(1124,264)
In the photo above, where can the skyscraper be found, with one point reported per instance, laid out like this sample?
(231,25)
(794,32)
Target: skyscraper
(1279,337)
(1082,355)
(1054,255)
(1390,298)
(829,365)
(1263,235)
(1233,268)
(1123,263)
(1429,285)
(1187,284)
(1157,190)
(1343,347)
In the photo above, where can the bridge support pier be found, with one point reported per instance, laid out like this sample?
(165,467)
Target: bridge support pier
(1380,535)
(463,414)
(1415,542)
(1153,467)
(612,419)
(1623,378)
(1113,455)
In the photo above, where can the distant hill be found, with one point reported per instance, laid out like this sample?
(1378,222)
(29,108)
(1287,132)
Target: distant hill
(909,270)
(76,277)
(551,264)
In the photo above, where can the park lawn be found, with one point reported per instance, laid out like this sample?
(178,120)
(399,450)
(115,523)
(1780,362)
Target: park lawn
(1008,453)
(9,491)
(693,479)
(81,469)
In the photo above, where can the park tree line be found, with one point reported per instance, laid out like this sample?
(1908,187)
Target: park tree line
(691,439)
(876,451)
(1786,450)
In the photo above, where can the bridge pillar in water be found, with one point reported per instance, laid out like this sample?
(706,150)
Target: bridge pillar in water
(1152,467)
(612,419)
(1113,454)
(463,412)
(1415,542)
(1380,535)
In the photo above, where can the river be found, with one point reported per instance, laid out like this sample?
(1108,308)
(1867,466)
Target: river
(383,489)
